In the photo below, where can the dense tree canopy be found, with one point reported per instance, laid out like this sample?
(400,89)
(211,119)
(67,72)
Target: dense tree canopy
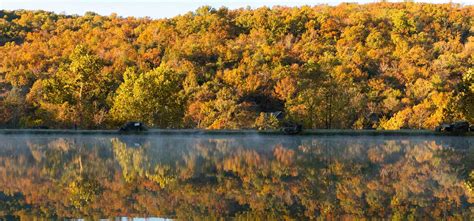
(382,65)
(152,97)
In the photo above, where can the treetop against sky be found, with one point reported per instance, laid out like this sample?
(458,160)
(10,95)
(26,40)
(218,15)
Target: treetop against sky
(168,8)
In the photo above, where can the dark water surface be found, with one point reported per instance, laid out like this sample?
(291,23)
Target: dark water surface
(244,177)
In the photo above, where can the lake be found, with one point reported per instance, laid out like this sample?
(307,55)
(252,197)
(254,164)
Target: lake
(245,177)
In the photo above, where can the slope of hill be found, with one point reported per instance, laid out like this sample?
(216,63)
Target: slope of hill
(384,65)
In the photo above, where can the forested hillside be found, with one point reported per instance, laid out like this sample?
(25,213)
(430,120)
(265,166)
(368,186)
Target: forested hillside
(384,65)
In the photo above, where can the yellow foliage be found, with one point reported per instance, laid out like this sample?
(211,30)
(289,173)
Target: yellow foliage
(398,121)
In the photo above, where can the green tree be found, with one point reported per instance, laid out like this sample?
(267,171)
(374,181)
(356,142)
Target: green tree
(153,97)
(77,92)
(466,94)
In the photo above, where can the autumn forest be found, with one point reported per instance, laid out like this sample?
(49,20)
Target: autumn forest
(371,66)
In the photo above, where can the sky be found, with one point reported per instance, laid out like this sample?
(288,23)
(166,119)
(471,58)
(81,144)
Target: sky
(165,8)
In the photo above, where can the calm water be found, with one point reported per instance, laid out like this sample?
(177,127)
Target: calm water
(245,177)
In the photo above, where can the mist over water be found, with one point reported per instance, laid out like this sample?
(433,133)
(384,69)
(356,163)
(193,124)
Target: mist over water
(243,176)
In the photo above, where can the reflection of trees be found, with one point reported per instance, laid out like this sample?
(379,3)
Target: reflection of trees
(135,164)
(187,178)
(83,191)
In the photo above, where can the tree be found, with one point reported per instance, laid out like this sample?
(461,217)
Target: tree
(217,106)
(155,98)
(76,93)
(12,108)
(266,121)
(466,95)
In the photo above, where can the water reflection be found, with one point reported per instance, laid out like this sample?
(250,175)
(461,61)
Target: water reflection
(270,177)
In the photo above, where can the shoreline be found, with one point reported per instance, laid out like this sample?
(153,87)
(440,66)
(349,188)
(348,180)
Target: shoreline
(321,132)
